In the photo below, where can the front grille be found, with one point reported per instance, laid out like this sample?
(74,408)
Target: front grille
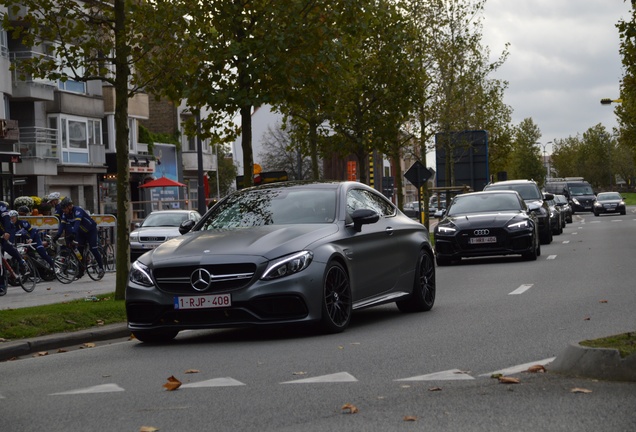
(465,235)
(152,238)
(225,277)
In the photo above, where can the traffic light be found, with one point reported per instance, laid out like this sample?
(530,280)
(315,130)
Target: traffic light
(606,101)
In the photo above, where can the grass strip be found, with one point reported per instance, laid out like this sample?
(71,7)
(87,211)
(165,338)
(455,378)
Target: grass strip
(61,317)
(625,343)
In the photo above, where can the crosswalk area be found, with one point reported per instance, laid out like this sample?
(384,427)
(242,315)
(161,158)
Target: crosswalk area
(338,377)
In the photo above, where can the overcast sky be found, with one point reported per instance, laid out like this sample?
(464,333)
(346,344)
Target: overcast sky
(563,60)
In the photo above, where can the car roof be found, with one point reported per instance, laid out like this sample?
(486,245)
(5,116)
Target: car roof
(513,182)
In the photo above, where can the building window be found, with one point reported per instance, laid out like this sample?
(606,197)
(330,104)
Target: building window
(76,133)
(4,46)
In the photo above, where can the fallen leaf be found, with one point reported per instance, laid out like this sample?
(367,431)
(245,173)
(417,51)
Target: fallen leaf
(340,347)
(148,429)
(88,345)
(497,375)
(586,318)
(41,354)
(508,380)
(435,389)
(61,350)
(580,390)
(299,373)
(410,418)
(191,371)
(602,301)
(352,408)
(100,322)
(48,289)
(172,384)
(536,368)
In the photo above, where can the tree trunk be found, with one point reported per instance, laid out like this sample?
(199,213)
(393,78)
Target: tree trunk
(246,145)
(121,145)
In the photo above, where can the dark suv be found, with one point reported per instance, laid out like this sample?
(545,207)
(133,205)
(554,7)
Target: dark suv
(531,194)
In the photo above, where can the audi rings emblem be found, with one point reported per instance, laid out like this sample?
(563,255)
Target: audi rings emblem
(200,279)
(482,232)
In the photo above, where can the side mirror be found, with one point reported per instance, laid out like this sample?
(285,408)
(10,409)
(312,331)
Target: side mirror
(363,217)
(186,226)
(137,224)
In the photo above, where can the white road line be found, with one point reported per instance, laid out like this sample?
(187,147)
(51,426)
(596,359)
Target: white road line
(520,368)
(215,382)
(104,388)
(523,288)
(449,375)
(566,241)
(551,257)
(337,377)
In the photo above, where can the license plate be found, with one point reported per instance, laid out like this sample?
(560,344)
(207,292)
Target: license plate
(203,302)
(480,240)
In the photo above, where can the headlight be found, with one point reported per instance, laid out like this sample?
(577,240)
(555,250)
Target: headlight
(519,225)
(575,201)
(445,230)
(288,265)
(140,274)
(134,237)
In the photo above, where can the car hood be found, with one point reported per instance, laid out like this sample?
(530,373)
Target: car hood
(611,201)
(481,220)
(168,230)
(269,241)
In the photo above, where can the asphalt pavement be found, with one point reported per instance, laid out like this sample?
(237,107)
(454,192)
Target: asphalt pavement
(574,360)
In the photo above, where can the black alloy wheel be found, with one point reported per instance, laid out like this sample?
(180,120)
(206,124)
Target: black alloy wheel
(337,304)
(423,297)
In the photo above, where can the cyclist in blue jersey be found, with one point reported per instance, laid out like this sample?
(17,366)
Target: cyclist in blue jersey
(7,236)
(81,228)
(31,234)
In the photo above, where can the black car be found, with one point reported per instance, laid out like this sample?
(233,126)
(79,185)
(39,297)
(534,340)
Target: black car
(535,199)
(557,218)
(487,223)
(562,202)
(609,202)
(283,253)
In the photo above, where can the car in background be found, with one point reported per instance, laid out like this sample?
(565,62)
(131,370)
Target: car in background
(487,223)
(557,220)
(579,192)
(157,228)
(412,209)
(609,202)
(562,202)
(283,253)
(535,199)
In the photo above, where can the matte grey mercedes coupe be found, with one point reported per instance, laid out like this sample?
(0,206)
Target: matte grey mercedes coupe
(297,252)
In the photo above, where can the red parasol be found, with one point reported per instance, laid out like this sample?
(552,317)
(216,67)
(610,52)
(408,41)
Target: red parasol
(162,182)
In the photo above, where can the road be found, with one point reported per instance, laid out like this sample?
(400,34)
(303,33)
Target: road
(431,371)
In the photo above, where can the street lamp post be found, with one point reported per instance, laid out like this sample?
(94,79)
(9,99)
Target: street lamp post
(546,165)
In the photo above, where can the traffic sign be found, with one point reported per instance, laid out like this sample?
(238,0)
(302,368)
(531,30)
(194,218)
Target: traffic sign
(418,174)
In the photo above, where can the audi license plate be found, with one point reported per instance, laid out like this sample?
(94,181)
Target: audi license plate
(481,240)
(203,302)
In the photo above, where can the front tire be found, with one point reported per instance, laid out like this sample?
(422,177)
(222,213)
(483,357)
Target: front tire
(422,298)
(28,280)
(337,304)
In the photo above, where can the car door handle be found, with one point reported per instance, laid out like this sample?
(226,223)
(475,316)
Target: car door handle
(389,230)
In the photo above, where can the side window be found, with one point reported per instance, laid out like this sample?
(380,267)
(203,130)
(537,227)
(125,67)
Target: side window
(362,199)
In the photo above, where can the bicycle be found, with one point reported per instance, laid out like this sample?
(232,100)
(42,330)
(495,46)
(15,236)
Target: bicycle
(26,280)
(106,249)
(71,264)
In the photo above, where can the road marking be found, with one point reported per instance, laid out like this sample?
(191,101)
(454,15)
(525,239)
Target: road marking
(449,375)
(520,368)
(215,382)
(566,241)
(574,233)
(551,257)
(104,388)
(337,377)
(523,288)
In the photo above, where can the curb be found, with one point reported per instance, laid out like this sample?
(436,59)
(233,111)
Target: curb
(595,363)
(10,350)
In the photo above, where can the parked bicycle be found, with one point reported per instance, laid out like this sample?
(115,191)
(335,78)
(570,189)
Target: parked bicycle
(106,249)
(71,264)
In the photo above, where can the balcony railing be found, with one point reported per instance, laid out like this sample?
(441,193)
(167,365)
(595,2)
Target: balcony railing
(18,56)
(37,142)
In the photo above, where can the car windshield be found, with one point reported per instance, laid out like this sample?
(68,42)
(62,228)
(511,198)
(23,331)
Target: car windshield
(273,207)
(479,203)
(579,190)
(168,219)
(560,199)
(527,191)
(608,196)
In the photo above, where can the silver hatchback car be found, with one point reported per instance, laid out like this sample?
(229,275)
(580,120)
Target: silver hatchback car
(158,227)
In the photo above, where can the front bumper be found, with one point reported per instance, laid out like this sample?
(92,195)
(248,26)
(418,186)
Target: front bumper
(508,243)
